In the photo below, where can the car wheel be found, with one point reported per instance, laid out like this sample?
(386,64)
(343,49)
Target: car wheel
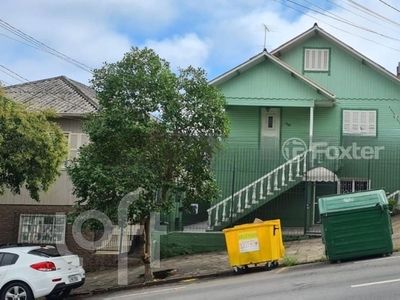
(17,290)
(59,296)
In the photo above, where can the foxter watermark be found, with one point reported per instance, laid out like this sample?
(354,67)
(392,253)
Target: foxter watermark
(123,208)
(294,147)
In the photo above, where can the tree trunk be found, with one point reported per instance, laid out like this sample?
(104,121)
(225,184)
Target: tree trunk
(145,253)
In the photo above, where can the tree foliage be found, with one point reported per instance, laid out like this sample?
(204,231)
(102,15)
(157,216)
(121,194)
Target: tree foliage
(130,149)
(32,148)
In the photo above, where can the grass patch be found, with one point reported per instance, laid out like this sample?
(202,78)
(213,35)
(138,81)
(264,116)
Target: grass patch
(289,261)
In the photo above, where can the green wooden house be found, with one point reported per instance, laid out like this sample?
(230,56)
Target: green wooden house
(310,118)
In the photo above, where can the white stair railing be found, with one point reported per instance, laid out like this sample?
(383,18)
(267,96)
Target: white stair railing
(229,209)
(392,195)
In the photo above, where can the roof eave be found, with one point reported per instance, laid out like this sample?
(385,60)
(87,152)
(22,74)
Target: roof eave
(238,69)
(71,115)
(317,30)
(319,89)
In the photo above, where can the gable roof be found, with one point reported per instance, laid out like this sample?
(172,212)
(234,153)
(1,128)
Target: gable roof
(262,57)
(66,96)
(316,30)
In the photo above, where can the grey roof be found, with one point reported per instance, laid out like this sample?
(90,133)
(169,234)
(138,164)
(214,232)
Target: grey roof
(64,95)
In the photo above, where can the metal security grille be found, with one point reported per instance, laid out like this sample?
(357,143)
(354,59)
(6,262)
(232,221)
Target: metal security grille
(38,229)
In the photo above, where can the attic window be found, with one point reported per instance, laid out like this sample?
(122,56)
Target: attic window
(316,60)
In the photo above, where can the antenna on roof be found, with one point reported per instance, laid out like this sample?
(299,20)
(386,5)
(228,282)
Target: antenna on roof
(265,36)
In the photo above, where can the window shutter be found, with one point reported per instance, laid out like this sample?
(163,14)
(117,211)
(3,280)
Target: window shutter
(313,59)
(363,122)
(73,145)
(316,60)
(355,122)
(346,121)
(307,59)
(372,123)
(360,122)
(84,139)
(325,60)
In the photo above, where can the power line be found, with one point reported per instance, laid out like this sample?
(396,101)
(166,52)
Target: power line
(390,5)
(13,72)
(11,38)
(325,10)
(319,20)
(359,15)
(41,45)
(347,22)
(5,72)
(371,12)
(5,81)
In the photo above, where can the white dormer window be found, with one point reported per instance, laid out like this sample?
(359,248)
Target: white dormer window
(316,60)
(359,122)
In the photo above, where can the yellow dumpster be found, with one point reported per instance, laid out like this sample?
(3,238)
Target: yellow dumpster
(253,244)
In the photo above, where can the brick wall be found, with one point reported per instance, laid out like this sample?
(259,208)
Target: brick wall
(9,227)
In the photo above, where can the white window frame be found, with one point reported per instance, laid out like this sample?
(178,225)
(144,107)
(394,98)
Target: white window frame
(36,228)
(353,184)
(359,122)
(316,59)
(80,138)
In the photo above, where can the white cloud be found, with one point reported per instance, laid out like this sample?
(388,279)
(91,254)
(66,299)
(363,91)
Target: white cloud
(216,35)
(182,51)
(88,32)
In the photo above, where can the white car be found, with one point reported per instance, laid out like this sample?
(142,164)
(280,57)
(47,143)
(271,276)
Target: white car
(29,272)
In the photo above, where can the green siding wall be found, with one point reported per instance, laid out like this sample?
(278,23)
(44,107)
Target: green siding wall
(355,85)
(349,77)
(295,123)
(245,125)
(266,81)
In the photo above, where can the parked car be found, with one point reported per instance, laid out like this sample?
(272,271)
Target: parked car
(29,272)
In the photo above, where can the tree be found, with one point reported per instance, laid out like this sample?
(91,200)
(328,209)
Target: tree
(129,149)
(32,148)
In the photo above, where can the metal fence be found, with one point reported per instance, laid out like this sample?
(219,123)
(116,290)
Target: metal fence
(369,164)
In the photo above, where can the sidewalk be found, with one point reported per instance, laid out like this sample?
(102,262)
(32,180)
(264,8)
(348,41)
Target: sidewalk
(207,265)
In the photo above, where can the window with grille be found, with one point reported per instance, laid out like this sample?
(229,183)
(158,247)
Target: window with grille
(359,122)
(355,185)
(41,229)
(316,60)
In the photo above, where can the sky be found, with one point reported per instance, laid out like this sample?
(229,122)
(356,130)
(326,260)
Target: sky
(215,35)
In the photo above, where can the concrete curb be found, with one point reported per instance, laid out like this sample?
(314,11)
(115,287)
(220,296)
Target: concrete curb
(150,284)
(133,286)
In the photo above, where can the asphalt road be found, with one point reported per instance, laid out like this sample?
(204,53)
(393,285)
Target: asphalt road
(377,278)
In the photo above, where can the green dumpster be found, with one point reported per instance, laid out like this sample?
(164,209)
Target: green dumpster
(356,225)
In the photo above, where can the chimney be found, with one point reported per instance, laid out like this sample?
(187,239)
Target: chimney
(398,71)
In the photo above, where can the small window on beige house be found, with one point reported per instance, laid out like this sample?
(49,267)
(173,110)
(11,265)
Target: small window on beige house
(42,229)
(75,141)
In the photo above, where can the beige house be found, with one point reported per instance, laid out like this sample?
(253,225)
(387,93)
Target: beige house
(24,220)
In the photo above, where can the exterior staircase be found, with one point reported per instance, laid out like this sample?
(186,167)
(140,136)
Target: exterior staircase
(258,192)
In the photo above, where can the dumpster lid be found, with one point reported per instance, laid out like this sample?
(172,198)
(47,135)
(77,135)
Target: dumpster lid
(351,201)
